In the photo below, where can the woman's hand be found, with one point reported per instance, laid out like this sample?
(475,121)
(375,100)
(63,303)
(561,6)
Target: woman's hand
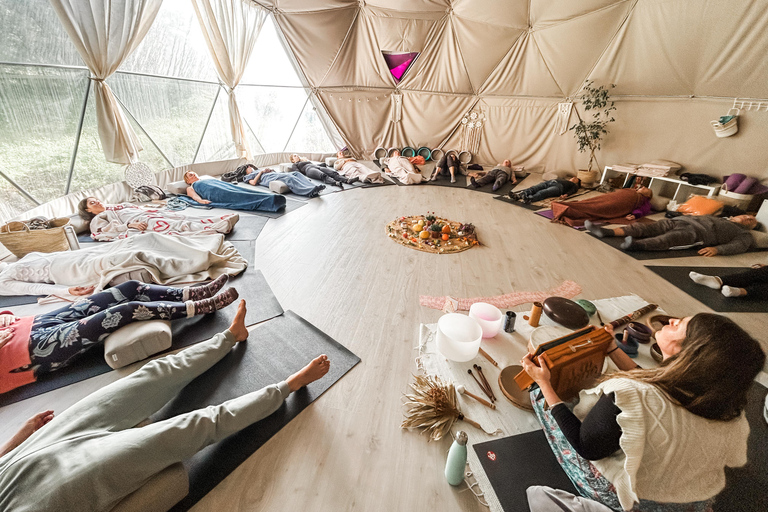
(630,217)
(81,290)
(540,374)
(6,320)
(757,265)
(140,225)
(708,251)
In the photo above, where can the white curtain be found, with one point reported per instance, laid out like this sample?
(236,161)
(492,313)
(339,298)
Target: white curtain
(230,28)
(105,33)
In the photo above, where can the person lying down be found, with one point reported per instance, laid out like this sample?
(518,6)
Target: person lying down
(109,222)
(220,194)
(94,453)
(296,181)
(625,203)
(162,259)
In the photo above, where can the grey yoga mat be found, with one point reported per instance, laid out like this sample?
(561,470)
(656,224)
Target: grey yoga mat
(273,352)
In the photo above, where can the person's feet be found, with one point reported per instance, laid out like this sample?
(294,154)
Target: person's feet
(495,187)
(597,230)
(713,282)
(206,290)
(316,369)
(237,327)
(472,182)
(340,185)
(212,304)
(352,180)
(626,244)
(732,291)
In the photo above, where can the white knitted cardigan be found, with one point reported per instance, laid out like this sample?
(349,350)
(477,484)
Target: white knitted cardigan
(667,454)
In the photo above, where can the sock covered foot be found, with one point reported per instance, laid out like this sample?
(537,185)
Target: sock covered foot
(211,304)
(627,243)
(732,291)
(597,230)
(206,290)
(713,282)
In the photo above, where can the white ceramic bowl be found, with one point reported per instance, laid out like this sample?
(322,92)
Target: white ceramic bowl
(489,317)
(458,337)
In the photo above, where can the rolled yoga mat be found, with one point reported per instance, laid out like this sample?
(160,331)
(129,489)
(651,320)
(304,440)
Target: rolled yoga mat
(251,285)
(273,352)
(713,299)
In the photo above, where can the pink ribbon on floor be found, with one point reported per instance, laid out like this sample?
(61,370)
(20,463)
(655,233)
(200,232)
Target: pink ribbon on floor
(568,290)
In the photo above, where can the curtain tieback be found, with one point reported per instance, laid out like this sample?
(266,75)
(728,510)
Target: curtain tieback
(96,79)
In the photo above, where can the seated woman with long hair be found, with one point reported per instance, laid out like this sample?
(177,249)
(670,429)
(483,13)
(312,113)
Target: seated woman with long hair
(111,222)
(34,345)
(658,439)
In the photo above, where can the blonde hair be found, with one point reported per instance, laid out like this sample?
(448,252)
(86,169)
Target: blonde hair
(300,158)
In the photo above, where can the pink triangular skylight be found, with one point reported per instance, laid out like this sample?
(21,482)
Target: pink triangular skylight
(398,63)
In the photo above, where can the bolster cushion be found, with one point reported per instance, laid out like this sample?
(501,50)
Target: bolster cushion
(159,494)
(279,187)
(137,341)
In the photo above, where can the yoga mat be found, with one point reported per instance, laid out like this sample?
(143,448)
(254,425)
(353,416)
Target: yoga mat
(247,228)
(7,301)
(272,353)
(615,241)
(387,181)
(713,299)
(503,190)
(290,204)
(252,286)
(445,181)
(85,238)
(513,464)
(746,488)
(521,204)
(549,214)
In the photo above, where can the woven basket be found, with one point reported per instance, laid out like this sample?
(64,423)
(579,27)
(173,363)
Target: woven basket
(20,240)
(587,177)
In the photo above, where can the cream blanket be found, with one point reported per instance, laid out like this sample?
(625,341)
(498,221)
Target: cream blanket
(171,260)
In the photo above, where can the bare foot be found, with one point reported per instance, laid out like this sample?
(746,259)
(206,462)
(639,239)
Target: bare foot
(316,369)
(237,328)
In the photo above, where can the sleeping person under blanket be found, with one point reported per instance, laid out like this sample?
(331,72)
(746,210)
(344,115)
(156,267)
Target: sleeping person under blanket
(219,194)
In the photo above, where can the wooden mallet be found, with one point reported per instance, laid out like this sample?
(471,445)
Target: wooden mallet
(463,391)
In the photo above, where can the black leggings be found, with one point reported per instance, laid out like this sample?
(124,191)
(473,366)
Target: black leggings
(754,280)
(324,174)
(449,160)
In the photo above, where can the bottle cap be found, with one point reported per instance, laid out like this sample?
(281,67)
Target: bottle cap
(461,438)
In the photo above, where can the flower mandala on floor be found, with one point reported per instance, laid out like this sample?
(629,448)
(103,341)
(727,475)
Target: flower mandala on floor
(430,233)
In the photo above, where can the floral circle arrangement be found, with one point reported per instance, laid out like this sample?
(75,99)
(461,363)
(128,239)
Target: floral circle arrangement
(430,233)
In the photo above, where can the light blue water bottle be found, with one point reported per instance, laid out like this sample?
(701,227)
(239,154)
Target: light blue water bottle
(457,459)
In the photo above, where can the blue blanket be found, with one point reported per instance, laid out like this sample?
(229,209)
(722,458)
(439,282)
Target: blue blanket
(227,195)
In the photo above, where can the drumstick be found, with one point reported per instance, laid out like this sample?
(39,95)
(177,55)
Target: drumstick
(488,357)
(480,384)
(463,391)
(599,318)
(488,385)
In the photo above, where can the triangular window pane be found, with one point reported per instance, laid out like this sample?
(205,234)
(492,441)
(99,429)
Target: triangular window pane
(269,64)
(309,135)
(399,62)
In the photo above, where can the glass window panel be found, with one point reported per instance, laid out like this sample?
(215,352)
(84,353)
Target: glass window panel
(39,111)
(174,46)
(217,141)
(271,112)
(172,112)
(269,64)
(32,33)
(91,167)
(12,202)
(309,135)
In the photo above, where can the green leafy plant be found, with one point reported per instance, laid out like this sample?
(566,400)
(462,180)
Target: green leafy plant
(589,133)
(437,227)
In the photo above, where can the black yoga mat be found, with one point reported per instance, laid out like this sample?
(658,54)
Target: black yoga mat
(713,299)
(7,301)
(515,463)
(503,190)
(746,488)
(615,241)
(521,204)
(274,351)
(247,228)
(290,205)
(445,181)
(251,285)
(85,238)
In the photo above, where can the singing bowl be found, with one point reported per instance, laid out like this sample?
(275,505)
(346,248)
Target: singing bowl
(566,312)
(488,316)
(458,337)
(640,332)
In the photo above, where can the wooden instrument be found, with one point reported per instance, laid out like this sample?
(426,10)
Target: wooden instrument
(573,360)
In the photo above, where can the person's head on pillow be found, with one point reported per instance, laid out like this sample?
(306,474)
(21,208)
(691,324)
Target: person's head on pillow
(506,163)
(745,221)
(190,177)
(645,192)
(90,207)
(395,153)
(574,179)
(296,158)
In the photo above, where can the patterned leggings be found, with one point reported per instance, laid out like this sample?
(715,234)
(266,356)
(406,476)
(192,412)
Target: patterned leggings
(62,335)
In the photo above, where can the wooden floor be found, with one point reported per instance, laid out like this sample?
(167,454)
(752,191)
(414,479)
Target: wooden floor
(332,263)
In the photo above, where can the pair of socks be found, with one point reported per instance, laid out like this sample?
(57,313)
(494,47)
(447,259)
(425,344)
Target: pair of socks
(716,283)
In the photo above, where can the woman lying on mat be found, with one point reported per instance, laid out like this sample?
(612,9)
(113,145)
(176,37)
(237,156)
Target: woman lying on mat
(499,175)
(220,194)
(33,345)
(296,181)
(449,164)
(557,187)
(114,221)
(319,172)
(752,283)
(351,168)
(402,169)
(94,453)
(623,204)
(658,439)
(163,259)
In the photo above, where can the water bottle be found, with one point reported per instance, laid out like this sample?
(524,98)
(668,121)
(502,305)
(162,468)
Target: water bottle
(457,459)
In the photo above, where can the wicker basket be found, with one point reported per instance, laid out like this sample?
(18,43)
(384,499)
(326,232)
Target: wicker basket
(20,240)
(587,177)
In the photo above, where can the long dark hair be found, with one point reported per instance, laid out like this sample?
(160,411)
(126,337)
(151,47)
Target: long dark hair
(82,210)
(713,371)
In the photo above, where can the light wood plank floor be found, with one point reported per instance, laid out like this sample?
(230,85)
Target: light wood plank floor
(332,263)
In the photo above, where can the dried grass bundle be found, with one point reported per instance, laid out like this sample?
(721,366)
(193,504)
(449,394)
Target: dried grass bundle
(432,407)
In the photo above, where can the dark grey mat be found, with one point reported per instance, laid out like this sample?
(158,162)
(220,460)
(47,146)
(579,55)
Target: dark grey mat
(521,204)
(252,286)
(713,299)
(515,463)
(247,228)
(503,190)
(615,241)
(443,181)
(291,203)
(85,238)
(7,301)
(273,352)
(373,185)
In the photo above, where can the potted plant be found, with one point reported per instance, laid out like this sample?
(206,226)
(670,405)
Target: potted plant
(589,133)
